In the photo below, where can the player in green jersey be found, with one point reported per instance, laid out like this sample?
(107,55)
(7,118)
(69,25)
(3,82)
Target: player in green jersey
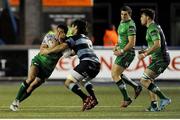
(42,66)
(125,53)
(157,48)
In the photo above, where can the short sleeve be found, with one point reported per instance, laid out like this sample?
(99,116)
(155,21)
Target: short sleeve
(47,37)
(131,30)
(154,33)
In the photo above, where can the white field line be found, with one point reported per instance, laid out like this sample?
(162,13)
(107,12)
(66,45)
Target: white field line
(68,106)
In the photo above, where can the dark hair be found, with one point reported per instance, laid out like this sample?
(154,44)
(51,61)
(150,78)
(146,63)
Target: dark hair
(127,8)
(81,26)
(148,12)
(64,27)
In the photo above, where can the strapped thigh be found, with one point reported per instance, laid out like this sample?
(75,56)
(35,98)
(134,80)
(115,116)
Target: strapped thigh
(146,77)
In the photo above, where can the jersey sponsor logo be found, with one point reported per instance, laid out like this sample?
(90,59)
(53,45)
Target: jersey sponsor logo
(160,69)
(153,33)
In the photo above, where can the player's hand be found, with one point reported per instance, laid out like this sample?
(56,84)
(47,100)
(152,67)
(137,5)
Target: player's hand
(118,53)
(141,56)
(44,51)
(115,48)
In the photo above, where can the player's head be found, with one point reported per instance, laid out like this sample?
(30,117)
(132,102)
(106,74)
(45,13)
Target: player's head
(79,27)
(147,15)
(61,31)
(126,13)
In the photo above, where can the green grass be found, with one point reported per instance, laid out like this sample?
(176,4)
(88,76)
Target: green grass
(55,101)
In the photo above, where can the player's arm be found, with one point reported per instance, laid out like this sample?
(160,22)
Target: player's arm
(154,33)
(157,44)
(43,46)
(131,38)
(55,49)
(131,43)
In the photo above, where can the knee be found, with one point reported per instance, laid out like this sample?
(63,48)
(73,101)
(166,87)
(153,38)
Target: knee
(145,83)
(69,79)
(30,79)
(66,83)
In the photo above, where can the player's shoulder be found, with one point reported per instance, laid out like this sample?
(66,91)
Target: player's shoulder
(131,23)
(74,37)
(153,27)
(49,35)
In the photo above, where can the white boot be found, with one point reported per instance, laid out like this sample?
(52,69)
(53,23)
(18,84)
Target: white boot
(15,105)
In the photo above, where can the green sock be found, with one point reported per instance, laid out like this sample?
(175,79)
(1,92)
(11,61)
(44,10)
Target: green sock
(24,96)
(122,87)
(155,89)
(22,90)
(129,81)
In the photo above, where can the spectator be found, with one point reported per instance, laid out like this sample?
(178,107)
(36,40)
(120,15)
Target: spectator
(110,37)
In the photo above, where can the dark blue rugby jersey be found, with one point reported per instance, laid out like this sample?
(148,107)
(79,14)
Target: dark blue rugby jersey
(83,47)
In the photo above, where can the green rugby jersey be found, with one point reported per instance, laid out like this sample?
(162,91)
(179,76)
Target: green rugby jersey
(48,61)
(125,29)
(153,33)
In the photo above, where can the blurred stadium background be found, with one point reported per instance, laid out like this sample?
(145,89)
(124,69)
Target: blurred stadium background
(23,23)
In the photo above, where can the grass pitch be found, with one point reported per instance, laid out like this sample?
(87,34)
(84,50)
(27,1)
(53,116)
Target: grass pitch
(56,101)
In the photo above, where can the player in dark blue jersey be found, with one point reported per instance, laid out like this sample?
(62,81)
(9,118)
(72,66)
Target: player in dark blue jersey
(88,67)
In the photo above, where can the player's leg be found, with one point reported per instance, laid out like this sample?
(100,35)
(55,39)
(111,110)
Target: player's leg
(90,89)
(146,81)
(158,67)
(154,103)
(136,86)
(116,71)
(91,71)
(124,61)
(72,84)
(33,71)
(35,84)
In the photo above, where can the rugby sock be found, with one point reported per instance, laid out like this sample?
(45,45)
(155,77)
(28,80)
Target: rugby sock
(122,87)
(25,95)
(89,88)
(154,104)
(129,81)
(155,89)
(77,90)
(22,90)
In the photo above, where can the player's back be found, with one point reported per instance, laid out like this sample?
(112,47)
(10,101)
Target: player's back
(83,47)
